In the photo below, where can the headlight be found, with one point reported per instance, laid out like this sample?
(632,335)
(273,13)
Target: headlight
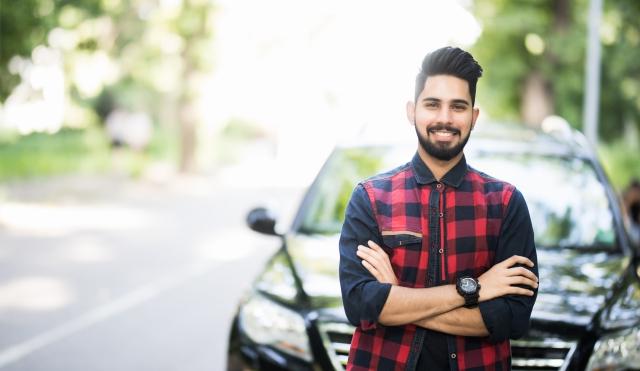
(617,351)
(269,323)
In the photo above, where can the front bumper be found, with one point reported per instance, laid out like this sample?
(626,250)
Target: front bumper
(245,355)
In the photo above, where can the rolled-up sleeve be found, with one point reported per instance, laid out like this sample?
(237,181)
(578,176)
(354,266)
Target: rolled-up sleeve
(508,316)
(362,295)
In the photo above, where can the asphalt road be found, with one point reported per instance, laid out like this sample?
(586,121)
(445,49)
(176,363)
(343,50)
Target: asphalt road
(109,274)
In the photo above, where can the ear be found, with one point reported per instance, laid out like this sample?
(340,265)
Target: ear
(474,117)
(411,112)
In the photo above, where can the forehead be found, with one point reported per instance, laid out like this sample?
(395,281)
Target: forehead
(445,87)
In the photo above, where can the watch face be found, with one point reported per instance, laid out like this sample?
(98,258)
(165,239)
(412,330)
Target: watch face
(468,285)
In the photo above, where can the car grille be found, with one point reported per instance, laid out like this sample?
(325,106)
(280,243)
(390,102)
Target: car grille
(547,354)
(337,340)
(543,355)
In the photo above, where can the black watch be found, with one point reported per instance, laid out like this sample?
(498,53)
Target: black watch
(469,289)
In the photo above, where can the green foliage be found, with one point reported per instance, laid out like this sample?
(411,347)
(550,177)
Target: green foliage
(561,24)
(133,55)
(239,129)
(45,154)
(621,162)
(25,24)
(77,151)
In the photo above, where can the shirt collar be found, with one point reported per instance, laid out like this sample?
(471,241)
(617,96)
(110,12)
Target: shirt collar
(452,178)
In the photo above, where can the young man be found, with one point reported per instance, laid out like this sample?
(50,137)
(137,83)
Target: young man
(437,260)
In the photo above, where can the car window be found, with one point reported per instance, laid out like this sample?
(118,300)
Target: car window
(568,204)
(333,188)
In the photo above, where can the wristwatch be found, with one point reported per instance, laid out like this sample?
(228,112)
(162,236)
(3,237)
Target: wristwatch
(469,289)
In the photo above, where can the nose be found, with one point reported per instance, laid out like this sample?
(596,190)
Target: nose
(444,115)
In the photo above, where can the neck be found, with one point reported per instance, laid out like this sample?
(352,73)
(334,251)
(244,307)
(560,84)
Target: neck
(438,167)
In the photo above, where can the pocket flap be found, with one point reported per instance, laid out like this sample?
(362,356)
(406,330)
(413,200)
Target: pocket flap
(402,238)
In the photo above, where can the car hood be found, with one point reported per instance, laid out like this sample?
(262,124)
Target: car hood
(573,283)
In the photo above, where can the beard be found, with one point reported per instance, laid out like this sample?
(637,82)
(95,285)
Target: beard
(441,151)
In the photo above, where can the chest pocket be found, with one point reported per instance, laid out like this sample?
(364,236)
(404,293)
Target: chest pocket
(405,252)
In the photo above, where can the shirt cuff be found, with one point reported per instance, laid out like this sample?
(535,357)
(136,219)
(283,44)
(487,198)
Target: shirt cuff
(375,296)
(497,318)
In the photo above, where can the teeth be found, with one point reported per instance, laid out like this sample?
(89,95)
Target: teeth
(445,133)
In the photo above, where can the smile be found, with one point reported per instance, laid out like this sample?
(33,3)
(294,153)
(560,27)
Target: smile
(445,133)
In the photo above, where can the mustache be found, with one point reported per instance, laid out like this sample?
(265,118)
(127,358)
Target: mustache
(440,127)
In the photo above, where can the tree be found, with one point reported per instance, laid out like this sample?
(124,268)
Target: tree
(155,52)
(24,25)
(533,53)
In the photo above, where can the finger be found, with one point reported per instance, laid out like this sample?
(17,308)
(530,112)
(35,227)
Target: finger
(385,268)
(374,272)
(362,254)
(517,259)
(369,256)
(375,246)
(521,271)
(380,276)
(520,280)
(368,252)
(380,263)
(520,291)
(379,255)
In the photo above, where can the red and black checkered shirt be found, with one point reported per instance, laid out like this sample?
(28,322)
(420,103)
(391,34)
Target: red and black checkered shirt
(433,231)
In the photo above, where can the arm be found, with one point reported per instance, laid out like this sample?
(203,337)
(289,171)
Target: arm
(362,295)
(460,321)
(508,316)
(368,301)
(408,305)
(440,308)
(470,322)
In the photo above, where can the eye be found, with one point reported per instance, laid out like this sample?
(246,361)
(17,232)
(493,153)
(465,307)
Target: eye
(431,105)
(459,107)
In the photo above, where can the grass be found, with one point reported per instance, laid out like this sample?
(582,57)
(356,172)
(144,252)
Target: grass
(73,151)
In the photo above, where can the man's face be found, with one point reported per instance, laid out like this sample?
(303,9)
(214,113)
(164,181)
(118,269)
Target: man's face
(443,116)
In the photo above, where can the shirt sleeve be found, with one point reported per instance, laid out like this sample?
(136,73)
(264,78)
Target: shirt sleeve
(362,295)
(508,316)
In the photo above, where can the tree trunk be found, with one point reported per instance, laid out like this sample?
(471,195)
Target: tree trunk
(188,125)
(537,93)
(537,100)
(188,116)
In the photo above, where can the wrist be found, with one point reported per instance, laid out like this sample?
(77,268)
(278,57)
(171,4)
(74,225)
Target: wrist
(469,288)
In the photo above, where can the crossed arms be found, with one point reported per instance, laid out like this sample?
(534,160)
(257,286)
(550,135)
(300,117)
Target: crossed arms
(371,294)
(441,308)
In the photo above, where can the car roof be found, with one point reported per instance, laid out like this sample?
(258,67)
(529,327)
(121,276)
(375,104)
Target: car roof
(555,139)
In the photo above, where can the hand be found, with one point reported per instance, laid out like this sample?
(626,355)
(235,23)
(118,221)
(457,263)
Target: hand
(503,277)
(377,263)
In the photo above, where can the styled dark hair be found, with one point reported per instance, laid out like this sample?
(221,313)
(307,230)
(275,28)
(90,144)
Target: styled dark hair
(450,61)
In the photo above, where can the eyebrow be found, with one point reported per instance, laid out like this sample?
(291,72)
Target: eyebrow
(438,100)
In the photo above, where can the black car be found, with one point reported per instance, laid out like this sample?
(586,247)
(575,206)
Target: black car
(587,315)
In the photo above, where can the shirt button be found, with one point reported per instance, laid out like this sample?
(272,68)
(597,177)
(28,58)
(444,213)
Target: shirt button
(440,251)
(439,186)
(453,355)
(441,215)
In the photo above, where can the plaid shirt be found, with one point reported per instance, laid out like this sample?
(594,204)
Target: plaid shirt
(433,232)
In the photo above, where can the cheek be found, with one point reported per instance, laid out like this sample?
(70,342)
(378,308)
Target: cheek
(424,117)
(464,119)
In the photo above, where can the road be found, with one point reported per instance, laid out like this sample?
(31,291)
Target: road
(100,273)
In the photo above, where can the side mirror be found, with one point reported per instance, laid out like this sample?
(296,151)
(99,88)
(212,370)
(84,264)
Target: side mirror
(262,220)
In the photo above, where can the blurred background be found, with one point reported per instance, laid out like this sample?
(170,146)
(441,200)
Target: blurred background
(136,134)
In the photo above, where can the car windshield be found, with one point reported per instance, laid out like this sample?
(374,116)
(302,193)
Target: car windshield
(568,204)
